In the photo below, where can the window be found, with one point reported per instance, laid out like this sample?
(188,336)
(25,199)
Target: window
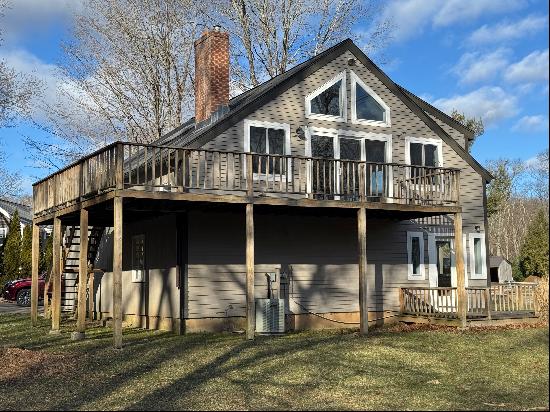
(267,138)
(422,152)
(478,266)
(366,106)
(3,232)
(342,177)
(329,101)
(415,255)
(138,258)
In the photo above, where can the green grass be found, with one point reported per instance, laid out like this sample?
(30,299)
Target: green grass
(420,369)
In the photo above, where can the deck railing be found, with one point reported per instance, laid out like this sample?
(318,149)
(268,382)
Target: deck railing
(442,302)
(161,168)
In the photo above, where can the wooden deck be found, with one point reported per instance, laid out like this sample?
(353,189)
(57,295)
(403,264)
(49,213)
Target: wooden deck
(497,302)
(159,172)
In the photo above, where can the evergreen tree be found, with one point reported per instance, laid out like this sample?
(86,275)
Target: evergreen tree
(26,251)
(12,249)
(46,255)
(533,259)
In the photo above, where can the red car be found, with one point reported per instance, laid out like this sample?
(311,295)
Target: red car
(19,290)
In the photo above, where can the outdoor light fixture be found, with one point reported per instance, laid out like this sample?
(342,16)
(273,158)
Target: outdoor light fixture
(477,228)
(301,133)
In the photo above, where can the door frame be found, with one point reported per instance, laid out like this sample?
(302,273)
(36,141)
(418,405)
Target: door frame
(336,134)
(432,258)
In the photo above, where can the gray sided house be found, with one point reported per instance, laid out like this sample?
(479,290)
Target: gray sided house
(7,209)
(326,197)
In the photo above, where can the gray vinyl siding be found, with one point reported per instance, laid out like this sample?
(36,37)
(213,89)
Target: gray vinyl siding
(159,296)
(318,252)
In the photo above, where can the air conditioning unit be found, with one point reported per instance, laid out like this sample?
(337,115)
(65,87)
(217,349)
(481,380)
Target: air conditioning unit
(270,315)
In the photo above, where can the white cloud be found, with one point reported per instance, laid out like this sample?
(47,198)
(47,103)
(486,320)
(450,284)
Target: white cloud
(453,11)
(506,31)
(27,18)
(412,16)
(532,68)
(531,124)
(492,104)
(28,64)
(474,67)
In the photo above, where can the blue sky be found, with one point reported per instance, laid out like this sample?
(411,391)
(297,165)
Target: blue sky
(488,58)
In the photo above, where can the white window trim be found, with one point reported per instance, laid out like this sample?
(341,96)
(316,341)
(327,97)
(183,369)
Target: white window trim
(336,134)
(410,274)
(268,125)
(354,81)
(343,100)
(138,278)
(424,140)
(473,274)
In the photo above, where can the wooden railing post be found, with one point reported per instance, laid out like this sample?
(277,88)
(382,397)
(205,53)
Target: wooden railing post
(35,263)
(249,176)
(401,300)
(362,243)
(362,181)
(460,272)
(119,173)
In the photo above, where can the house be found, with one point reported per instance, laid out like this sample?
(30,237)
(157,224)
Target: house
(500,269)
(7,209)
(328,196)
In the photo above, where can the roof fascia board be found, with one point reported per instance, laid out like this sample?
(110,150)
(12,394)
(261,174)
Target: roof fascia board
(434,111)
(419,112)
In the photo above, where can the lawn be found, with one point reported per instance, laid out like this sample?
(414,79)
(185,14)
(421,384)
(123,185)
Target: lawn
(414,368)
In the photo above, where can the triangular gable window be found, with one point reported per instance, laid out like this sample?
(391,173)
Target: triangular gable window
(329,101)
(366,106)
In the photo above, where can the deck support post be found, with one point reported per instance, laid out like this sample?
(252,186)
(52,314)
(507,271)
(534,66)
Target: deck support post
(362,242)
(250,302)
(56,275)
(35,263)
(460,272)
(117,272)
(82,273)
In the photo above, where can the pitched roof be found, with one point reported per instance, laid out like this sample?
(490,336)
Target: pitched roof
(10,207)
(247,102)
(495,261)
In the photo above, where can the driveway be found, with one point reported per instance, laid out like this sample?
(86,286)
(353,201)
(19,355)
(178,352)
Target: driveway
(11,307)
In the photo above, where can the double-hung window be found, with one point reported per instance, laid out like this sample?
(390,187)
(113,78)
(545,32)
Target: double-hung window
(423,152)
(138,258)
(478,266)
(266,138)
(415,256)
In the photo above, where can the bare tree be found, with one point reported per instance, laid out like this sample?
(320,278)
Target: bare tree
(10,182)
(269,36)
(127,75)
(16,89)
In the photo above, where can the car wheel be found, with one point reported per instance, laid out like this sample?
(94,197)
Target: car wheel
(23,297)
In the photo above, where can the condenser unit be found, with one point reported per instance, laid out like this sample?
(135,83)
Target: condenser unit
(270,315)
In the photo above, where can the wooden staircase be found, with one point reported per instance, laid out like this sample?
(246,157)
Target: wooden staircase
(71,254)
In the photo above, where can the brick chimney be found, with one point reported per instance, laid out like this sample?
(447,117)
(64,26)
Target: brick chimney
(211,74)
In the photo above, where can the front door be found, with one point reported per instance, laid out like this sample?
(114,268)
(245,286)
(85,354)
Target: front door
(443,249)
